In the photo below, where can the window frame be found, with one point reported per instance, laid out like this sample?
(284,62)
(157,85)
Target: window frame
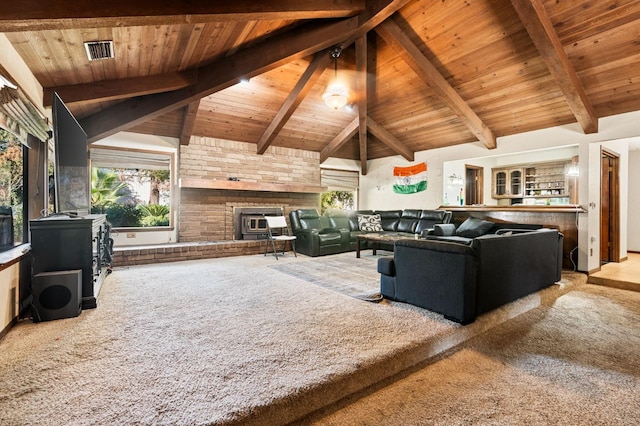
(140,153)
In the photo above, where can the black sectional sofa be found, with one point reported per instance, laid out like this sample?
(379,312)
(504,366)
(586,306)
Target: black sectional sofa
(462,273)
(337,230)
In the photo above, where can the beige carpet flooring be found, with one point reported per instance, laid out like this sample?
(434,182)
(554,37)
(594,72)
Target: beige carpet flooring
(235,341)
(573,362)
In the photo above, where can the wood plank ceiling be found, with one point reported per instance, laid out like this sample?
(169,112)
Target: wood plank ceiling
(422,73)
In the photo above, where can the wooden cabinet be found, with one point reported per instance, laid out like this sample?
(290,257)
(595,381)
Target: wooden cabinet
(539,180)
(508,182)
(60,243)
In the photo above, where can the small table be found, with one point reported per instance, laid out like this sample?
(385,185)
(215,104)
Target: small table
(377,240)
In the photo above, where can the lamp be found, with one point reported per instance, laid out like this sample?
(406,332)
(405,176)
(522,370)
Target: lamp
(336,95)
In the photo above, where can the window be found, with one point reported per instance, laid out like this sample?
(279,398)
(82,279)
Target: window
(133,188)
(12,193)
(343,189)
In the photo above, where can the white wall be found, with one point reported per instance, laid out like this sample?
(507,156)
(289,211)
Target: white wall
(376,188)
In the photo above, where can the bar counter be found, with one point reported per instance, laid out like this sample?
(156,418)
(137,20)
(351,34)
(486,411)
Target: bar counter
(562,217)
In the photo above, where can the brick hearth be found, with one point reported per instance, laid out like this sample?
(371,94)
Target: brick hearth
(141,255)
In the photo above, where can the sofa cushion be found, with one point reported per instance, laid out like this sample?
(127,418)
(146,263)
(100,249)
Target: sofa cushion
(434,215)
(353,218)
(370,223)
(411,214)
(329,238)
(390,219)
(428,219)
(474,227)
(407,225)
(308,214)
(338,218)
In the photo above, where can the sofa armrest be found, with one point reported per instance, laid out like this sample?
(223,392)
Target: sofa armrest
(444,229)
(307,241)
(386,266)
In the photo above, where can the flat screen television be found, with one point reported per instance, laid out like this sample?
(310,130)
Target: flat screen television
(71,171)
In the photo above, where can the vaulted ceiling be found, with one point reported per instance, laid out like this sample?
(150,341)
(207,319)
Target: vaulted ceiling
(422,73)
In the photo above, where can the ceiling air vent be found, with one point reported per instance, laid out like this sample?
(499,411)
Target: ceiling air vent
(97,50)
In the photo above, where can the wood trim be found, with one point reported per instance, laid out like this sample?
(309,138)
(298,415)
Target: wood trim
(36,15)
(197,183)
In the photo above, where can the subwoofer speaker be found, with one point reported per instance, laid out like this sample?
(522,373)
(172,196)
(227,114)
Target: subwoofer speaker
(56,295)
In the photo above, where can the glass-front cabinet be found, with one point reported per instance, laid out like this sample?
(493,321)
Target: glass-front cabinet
(507,182)
(515,183)
(499,183)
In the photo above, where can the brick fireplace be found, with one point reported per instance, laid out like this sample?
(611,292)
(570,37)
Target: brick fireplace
(218,177)
(208,215)
(249,222)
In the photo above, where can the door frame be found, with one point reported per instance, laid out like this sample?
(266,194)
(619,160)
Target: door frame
(476,186)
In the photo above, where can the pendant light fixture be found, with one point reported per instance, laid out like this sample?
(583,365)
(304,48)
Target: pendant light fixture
(336,95)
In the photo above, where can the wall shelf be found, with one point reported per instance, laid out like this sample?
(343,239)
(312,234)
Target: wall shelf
(232,185)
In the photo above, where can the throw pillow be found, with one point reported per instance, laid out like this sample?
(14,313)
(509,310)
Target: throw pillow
(474,227)
(369,222)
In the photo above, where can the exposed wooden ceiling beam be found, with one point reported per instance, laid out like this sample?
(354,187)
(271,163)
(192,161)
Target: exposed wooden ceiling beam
(391,141)
(345,135)
(297,95)
(189,120)
(361,89)
(108,90)
(540,29)
(257,59)
(34,15)
(412,55)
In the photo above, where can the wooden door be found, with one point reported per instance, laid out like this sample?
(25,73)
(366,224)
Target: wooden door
(474,180)
(609,208)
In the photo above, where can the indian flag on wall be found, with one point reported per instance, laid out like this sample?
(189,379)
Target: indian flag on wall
(410,179)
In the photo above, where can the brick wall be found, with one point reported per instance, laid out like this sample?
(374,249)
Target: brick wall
(221,159)
(207,214)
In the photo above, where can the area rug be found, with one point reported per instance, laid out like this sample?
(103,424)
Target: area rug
(342,273)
